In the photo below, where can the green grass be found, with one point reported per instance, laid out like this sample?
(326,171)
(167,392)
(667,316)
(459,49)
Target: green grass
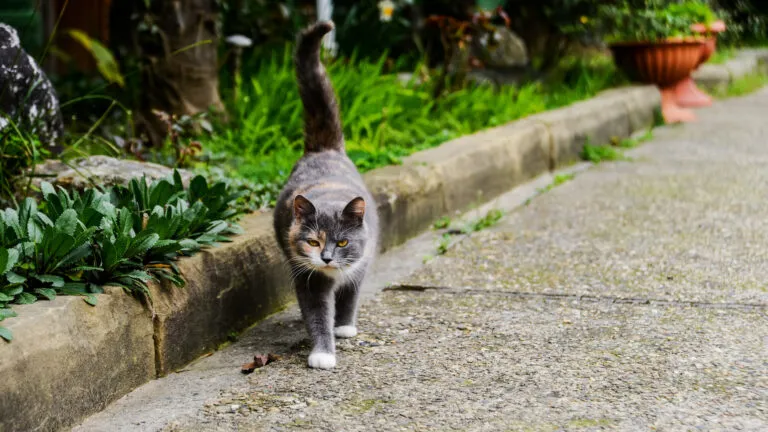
(632,142)
(442,223)
(384,120)
(557,181)
(491,218)
(597,154)
(742,86)
(722,55)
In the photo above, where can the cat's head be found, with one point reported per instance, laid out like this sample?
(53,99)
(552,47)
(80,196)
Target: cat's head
(329,239)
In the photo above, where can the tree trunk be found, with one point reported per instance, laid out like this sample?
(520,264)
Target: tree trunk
(176,43)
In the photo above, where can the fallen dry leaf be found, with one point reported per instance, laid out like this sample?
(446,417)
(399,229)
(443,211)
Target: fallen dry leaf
(259,361)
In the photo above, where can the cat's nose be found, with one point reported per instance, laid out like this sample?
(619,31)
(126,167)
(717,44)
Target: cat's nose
(327,260)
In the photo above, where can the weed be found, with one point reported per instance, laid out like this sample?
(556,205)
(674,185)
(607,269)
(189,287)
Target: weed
(443,244)
(597,154)
(490,219)
(442,223)
(557,181)
(632,142)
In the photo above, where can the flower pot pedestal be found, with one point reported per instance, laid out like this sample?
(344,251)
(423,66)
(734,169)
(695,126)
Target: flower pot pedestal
(671,109)
(667,64)
(687,93)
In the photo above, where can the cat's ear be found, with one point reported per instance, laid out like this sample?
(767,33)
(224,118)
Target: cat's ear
(355,210)
(302,208)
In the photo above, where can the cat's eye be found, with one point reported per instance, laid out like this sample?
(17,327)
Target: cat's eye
(342,243)
(313,243)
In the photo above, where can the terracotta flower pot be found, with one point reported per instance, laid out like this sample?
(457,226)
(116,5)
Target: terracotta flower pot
(664,64)
(710,45)
(687,93)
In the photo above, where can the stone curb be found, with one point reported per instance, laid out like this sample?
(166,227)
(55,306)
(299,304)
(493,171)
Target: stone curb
(61,368)
(746,62)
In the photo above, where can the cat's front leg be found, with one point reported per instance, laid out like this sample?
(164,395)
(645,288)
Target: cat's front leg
(345,324)
(316,300)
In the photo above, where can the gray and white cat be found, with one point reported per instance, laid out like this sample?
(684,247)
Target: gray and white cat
(325,218)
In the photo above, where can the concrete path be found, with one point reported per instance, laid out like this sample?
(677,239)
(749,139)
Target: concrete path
(633,297)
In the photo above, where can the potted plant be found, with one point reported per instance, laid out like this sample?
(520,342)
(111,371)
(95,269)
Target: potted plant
(652,43)
(705,24)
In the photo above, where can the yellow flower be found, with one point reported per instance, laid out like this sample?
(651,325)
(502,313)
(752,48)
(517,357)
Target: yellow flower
(584,19)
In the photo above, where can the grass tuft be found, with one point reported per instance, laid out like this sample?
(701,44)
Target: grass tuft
(384,118)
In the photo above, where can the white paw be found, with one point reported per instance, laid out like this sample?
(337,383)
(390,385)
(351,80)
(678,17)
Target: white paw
(345,331)
(322,360)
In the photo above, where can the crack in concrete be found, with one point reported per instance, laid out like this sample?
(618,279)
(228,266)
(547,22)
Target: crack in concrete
(581,298)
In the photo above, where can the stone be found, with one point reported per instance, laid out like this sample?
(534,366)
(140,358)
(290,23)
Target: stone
(500,49)
(101,170)
(27,97)
(69,359)
(227,289)
(595,121)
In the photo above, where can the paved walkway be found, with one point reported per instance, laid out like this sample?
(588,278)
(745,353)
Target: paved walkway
(633,297)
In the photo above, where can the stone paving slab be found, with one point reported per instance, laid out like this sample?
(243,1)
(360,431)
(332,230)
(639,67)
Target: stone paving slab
(498,335)
(492,361)
(682,221)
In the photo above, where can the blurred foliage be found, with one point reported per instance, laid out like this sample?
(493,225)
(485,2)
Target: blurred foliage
(649,20)
(747,21)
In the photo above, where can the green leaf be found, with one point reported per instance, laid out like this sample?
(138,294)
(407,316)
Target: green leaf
(67,222)
(7,313)
(57,246)
(74,256)
(74,288)
(163,247)
(86,268)
(139,275)
(177,180)
(189,244)
(5,334)
(198,188)
(14,278)
(5,298)
(44,220)
(91,299)
(12,291)
(105,61)
(48,293)
(8,259)
(141,244)
(160,193)
(47,189)
(25,298)
(56,281)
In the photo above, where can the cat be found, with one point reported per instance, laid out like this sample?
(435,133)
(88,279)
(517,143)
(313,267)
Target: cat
(325,218)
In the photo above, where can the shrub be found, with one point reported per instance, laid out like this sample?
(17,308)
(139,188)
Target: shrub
(73,243)
(747,21)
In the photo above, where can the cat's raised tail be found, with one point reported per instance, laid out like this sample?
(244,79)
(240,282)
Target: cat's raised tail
(322,123)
